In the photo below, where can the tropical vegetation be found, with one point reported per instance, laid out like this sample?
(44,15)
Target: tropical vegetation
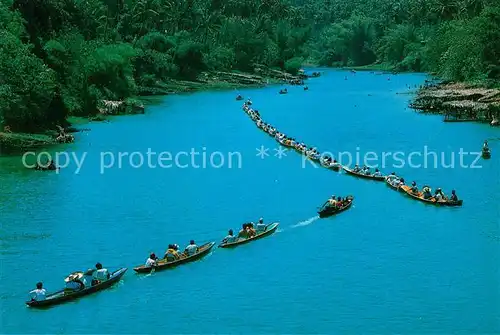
(60,58)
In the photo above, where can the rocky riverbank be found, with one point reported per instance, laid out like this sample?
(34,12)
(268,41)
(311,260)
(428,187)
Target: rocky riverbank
(460,102)
(261,76)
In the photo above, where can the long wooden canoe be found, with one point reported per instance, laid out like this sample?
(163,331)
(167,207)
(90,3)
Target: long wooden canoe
(361,175)
(327,211)
(431,201)
(270,228)
(164,264)
(63,296)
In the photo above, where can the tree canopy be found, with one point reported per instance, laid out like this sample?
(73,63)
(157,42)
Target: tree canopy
(61,57)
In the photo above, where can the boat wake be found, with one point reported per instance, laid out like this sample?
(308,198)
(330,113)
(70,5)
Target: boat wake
(306,222)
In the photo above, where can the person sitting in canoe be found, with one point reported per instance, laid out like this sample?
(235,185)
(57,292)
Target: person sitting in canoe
(356,168)
(39,293)
(251,231)
(453,196)
(243,232)
(485,146)
(377,173)
(414,187)
(439,195)
(171,254)
(427,192)
(74,282)
(366,170)
(339,202)
(151,261)
(392,176)
(192,248)
(230,238)
(332,202)
(261,226)
(401,182)
(239,97)
(100,274)
(87,278)
(249,102)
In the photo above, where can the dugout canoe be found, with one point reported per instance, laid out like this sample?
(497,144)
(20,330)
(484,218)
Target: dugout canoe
(349,171)
(62,296)
(270,228)
(431,201)
(327,211)
(163,264)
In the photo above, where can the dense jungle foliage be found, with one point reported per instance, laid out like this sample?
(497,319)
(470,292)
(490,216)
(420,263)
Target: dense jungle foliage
(61,57)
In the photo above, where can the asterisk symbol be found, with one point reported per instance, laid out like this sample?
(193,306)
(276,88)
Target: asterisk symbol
(280,152)
(262,152)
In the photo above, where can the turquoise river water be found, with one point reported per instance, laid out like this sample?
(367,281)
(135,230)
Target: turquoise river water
(388,265)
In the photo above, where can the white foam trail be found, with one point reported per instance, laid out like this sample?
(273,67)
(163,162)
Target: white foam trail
(306,222)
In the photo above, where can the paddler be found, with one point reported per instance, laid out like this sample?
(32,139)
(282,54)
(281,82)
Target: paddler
(192,248)
(453,196)
(439,195)
(171,253)
(339,202)
(414,187)
(401,182)
(151,261)
(427,192)
(332,202)
(100,274)
(243,232)
(230,238)
(250,230)
(87,277)
(261,226)
(392,176)
(485,145)
(377,173)
(39,293)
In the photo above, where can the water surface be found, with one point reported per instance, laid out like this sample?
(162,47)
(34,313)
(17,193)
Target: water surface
(390,264)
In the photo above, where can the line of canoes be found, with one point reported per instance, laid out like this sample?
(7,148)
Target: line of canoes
(330,163)
(64,295)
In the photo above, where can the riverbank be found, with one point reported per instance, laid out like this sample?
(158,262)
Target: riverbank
(215,80)
(460,102)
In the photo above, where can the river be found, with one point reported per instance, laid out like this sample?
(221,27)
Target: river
(389,264)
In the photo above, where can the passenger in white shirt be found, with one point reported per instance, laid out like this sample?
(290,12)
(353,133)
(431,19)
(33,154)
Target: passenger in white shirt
(39,293)
(101,274)
(261,226)
(151,261)
(230,238)
(192,248)
(87,278)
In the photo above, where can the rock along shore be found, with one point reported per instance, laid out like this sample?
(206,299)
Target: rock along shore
(459,102)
